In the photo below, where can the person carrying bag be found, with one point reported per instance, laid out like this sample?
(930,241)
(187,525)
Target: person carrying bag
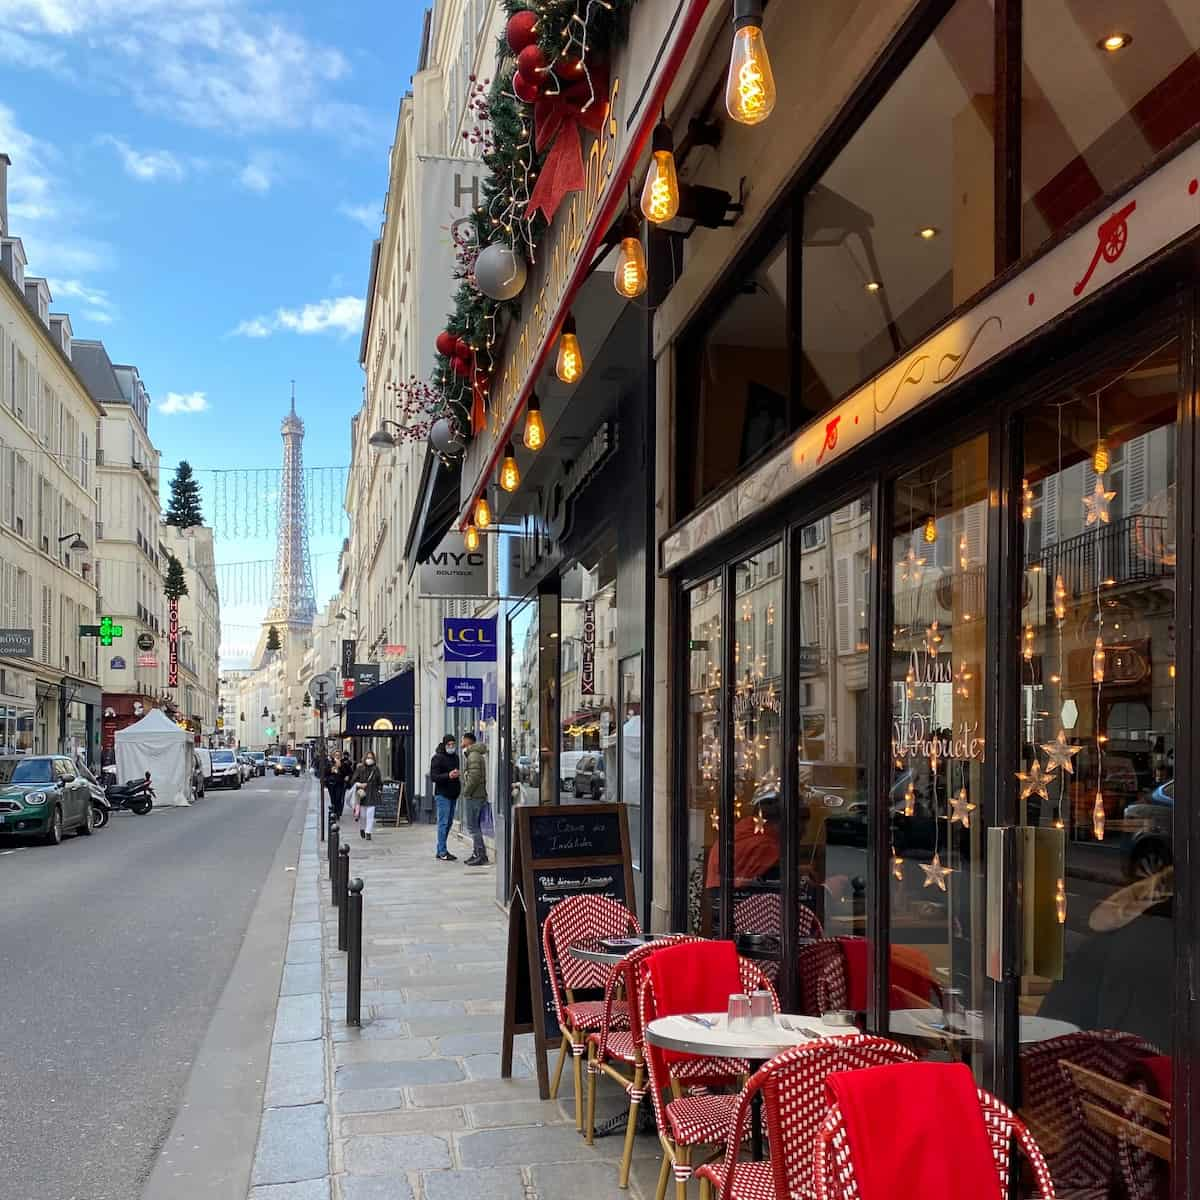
(337,778)
(368,787)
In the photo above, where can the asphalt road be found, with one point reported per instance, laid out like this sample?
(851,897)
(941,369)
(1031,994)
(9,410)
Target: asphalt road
(113,952)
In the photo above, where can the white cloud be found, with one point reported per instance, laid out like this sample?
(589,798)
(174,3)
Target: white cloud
(342,315)
(98,305)
(368,216)
(183,402)
(259,173)
(146,165)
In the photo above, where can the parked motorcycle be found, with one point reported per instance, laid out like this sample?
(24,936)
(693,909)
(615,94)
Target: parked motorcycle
(101,808)
(137,795)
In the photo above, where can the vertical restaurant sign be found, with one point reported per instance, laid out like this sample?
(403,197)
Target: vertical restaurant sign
(558,256)
(173,644)
(587,671)
(349,649)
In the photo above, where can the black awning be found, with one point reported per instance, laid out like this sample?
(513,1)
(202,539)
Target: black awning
(383,710)
(435,510)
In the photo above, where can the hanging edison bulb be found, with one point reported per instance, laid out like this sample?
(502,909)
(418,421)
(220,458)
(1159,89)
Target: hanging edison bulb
(910,800)
(962,552)
(471,539)
(569,367)
(1098,817)
(1100,457)
(897,868)
(1026,500)
(483,512)
(535,430)
(1098,662)
(510,474)
(630,277)
(930,531)
(660,195)
(1060,900)
(750,86)
(1027,644)
(1060,598)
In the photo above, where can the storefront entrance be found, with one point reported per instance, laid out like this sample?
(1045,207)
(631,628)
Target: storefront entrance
(928,752)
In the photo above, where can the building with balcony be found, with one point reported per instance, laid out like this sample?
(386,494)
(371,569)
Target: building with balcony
(197,695)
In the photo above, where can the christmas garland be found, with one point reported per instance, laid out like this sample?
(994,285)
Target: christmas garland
(550,80)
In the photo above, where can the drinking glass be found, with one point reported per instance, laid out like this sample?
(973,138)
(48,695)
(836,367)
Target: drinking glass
(739,1010)
(762,1009)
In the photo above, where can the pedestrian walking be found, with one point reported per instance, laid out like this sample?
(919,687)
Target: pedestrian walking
(474,793)
(337,779)
(368,783)
(444,771)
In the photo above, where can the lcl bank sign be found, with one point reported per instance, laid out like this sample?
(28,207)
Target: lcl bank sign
(469,639)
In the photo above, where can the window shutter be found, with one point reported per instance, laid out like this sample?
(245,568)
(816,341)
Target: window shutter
(842,603)
(1136,460)
(1050,511)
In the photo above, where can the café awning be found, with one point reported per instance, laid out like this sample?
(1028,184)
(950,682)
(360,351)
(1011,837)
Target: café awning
(382,711)
(434,511)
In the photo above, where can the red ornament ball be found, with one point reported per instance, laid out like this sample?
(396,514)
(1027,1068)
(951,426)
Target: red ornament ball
(526,89)
(447,343)
(569,67)
(521,30)
(531,62)
(462,368)
(462,349)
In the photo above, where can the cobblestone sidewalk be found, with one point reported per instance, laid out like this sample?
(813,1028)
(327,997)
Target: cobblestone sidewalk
(411,1106)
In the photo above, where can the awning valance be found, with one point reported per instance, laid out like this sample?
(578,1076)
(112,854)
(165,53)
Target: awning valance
(384,710)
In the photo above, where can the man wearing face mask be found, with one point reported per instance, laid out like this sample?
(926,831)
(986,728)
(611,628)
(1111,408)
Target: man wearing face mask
(368,783)
(446,785)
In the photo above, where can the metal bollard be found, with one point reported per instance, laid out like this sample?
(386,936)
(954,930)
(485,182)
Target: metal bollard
(343,880)
(354,920)
(333,861)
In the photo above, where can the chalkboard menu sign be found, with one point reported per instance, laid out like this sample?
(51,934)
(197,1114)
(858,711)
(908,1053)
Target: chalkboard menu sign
(558,851)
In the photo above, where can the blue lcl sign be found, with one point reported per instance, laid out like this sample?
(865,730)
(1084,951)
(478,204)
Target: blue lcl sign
(470,639)
(464,693)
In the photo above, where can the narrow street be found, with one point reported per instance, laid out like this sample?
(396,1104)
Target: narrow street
(116,949)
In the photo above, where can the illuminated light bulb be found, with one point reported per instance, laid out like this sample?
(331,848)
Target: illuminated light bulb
(750,87)
(471,539)
(1098,662)
(1170,670)
(660,195)
(630,277)
(1026,500)
(569,367)
(1098,817)
(1115,42)
(898,868)
(962,552)
(483,512)
(910,800)
(928,232)
(510,474)
(1100,457)
(1060,900)
(930,532)
(1060,598)
(1027,648)
(873,285)
(535,430)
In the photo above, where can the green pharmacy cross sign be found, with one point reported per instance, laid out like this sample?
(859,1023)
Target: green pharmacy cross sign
(108,631)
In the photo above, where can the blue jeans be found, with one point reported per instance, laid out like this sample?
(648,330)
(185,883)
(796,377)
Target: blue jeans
(445,815)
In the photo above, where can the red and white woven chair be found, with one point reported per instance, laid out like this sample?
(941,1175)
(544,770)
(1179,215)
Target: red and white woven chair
(696,1117)
(577,919)
(821,967)
(833,1166)
(763,913)
(794,1104)
(621,1053)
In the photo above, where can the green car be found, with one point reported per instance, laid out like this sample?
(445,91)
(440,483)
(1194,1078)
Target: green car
(44,796)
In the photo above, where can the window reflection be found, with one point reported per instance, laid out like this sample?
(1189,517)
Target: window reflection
(523,669)
(706,698)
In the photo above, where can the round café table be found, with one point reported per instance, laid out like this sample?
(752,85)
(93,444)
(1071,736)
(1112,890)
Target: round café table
(931,1023)
(709,1035)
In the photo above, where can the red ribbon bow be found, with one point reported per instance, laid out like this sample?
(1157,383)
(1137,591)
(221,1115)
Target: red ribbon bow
(560,119)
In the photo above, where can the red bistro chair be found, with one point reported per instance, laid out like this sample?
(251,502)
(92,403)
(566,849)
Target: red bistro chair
(577,919)
(794,1105)
(833,1167)
(694,1117)
(833,975)
(763,913)
(620,1053)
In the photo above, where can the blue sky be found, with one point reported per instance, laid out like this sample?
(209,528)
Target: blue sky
(200,180)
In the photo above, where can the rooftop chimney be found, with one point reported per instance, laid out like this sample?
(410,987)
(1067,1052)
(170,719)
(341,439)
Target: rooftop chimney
(5,163)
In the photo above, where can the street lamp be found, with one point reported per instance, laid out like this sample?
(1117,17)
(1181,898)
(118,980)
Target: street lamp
(345,615)
(77,543)
(381,439)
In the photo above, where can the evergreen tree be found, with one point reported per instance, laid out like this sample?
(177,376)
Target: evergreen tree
(175,585)
(183,510)
(273,642)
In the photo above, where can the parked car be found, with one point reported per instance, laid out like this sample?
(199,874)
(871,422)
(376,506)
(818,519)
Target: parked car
(247,766)
(589,781)
(226,770)
(1147,848)
(259,759)
(286,764)
(198,778)
(44,796)
(524,768)
(567,761)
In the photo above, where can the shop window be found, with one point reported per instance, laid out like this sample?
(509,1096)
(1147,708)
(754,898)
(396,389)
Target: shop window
(629,742)
(735,376)
(1105,87)
(702,759)
(938,685)
(525,767)
(900,229)
(1097,761)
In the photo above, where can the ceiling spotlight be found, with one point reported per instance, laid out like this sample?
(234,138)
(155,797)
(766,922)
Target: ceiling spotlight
(928,232)
(873,285)
(1115,41)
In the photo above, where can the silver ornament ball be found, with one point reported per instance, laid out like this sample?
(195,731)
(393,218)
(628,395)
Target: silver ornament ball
(500,272)
(445,436)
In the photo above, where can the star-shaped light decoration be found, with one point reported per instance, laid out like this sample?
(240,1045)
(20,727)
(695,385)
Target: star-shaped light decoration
(714,819)
(933,639)
(912,567)
(760,823)
(1036,781)
(961,809)
(935,873)
(1060,752)
(1096,505)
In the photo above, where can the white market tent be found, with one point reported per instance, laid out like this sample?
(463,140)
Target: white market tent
(156,744)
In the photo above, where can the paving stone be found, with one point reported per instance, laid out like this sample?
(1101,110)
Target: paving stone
(471,1092)
(298,1019)
(503,1183)
(487,1066)
(385,1050)
(304,952)
(303,931)
(376,1187)
(516,1112)
(300,979)
(397,1074)
(643,1179)
(419,1120)
(310,1189)
(455,1045)
(293,1144)
(523,1146)
(369,1100)
(440,1026)
(374,1030)
(399,1152)
(296,1074)
(580,1181)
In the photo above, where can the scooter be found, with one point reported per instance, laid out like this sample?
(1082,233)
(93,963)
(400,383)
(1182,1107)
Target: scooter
(137,795)
(101,808)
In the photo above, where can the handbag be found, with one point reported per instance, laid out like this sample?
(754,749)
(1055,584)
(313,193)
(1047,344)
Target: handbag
(487,820)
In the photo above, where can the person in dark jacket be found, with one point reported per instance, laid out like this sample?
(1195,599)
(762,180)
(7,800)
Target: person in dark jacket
(474,796)
(337,779)
(368,783)
(444,771)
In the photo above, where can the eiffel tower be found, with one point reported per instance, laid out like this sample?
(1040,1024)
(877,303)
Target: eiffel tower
(294,604)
